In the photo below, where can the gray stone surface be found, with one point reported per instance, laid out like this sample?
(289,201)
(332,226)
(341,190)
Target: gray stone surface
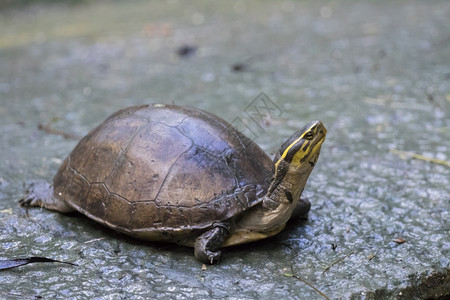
(376,73)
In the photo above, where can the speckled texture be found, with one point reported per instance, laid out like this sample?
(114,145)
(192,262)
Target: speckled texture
(376,73)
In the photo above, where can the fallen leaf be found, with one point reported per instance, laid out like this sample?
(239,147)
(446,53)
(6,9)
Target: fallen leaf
(17,262)
(399,240)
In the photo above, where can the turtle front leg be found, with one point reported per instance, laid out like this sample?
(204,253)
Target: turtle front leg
(40,193)
(302,209)
(207,245)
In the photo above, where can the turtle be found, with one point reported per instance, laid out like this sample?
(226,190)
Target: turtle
(177,174)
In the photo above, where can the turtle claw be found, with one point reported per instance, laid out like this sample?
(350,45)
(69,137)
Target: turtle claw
(209,257)
(214,257)
(26,202)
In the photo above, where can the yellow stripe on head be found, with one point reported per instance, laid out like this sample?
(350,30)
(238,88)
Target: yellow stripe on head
(299,151)
(301,143)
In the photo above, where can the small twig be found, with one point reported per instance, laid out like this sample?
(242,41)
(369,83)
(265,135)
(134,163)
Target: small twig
(50,130)
(392,104)
(337,261)
(244,65)
(420,157)
(6,211)
(307,283)
(11,295)
(94,240)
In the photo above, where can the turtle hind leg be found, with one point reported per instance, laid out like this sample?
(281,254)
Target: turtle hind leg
(206,248)
(40,193)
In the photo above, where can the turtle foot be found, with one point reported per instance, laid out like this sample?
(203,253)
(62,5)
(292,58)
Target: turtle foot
(40,193)
(302,209)
(207,245)
(36,194)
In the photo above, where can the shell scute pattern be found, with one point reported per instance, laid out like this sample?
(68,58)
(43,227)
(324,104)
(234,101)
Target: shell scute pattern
(153,168)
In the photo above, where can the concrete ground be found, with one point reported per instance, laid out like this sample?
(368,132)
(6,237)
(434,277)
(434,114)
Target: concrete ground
(377,73)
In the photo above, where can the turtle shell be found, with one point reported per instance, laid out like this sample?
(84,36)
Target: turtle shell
(159,172)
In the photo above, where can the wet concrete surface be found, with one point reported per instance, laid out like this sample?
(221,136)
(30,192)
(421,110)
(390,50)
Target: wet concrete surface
(377,73)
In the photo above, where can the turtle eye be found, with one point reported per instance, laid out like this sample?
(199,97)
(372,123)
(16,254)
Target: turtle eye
(309,135)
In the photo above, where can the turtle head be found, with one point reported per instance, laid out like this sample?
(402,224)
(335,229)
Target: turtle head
(291,167)
(301,150)
(296,158)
